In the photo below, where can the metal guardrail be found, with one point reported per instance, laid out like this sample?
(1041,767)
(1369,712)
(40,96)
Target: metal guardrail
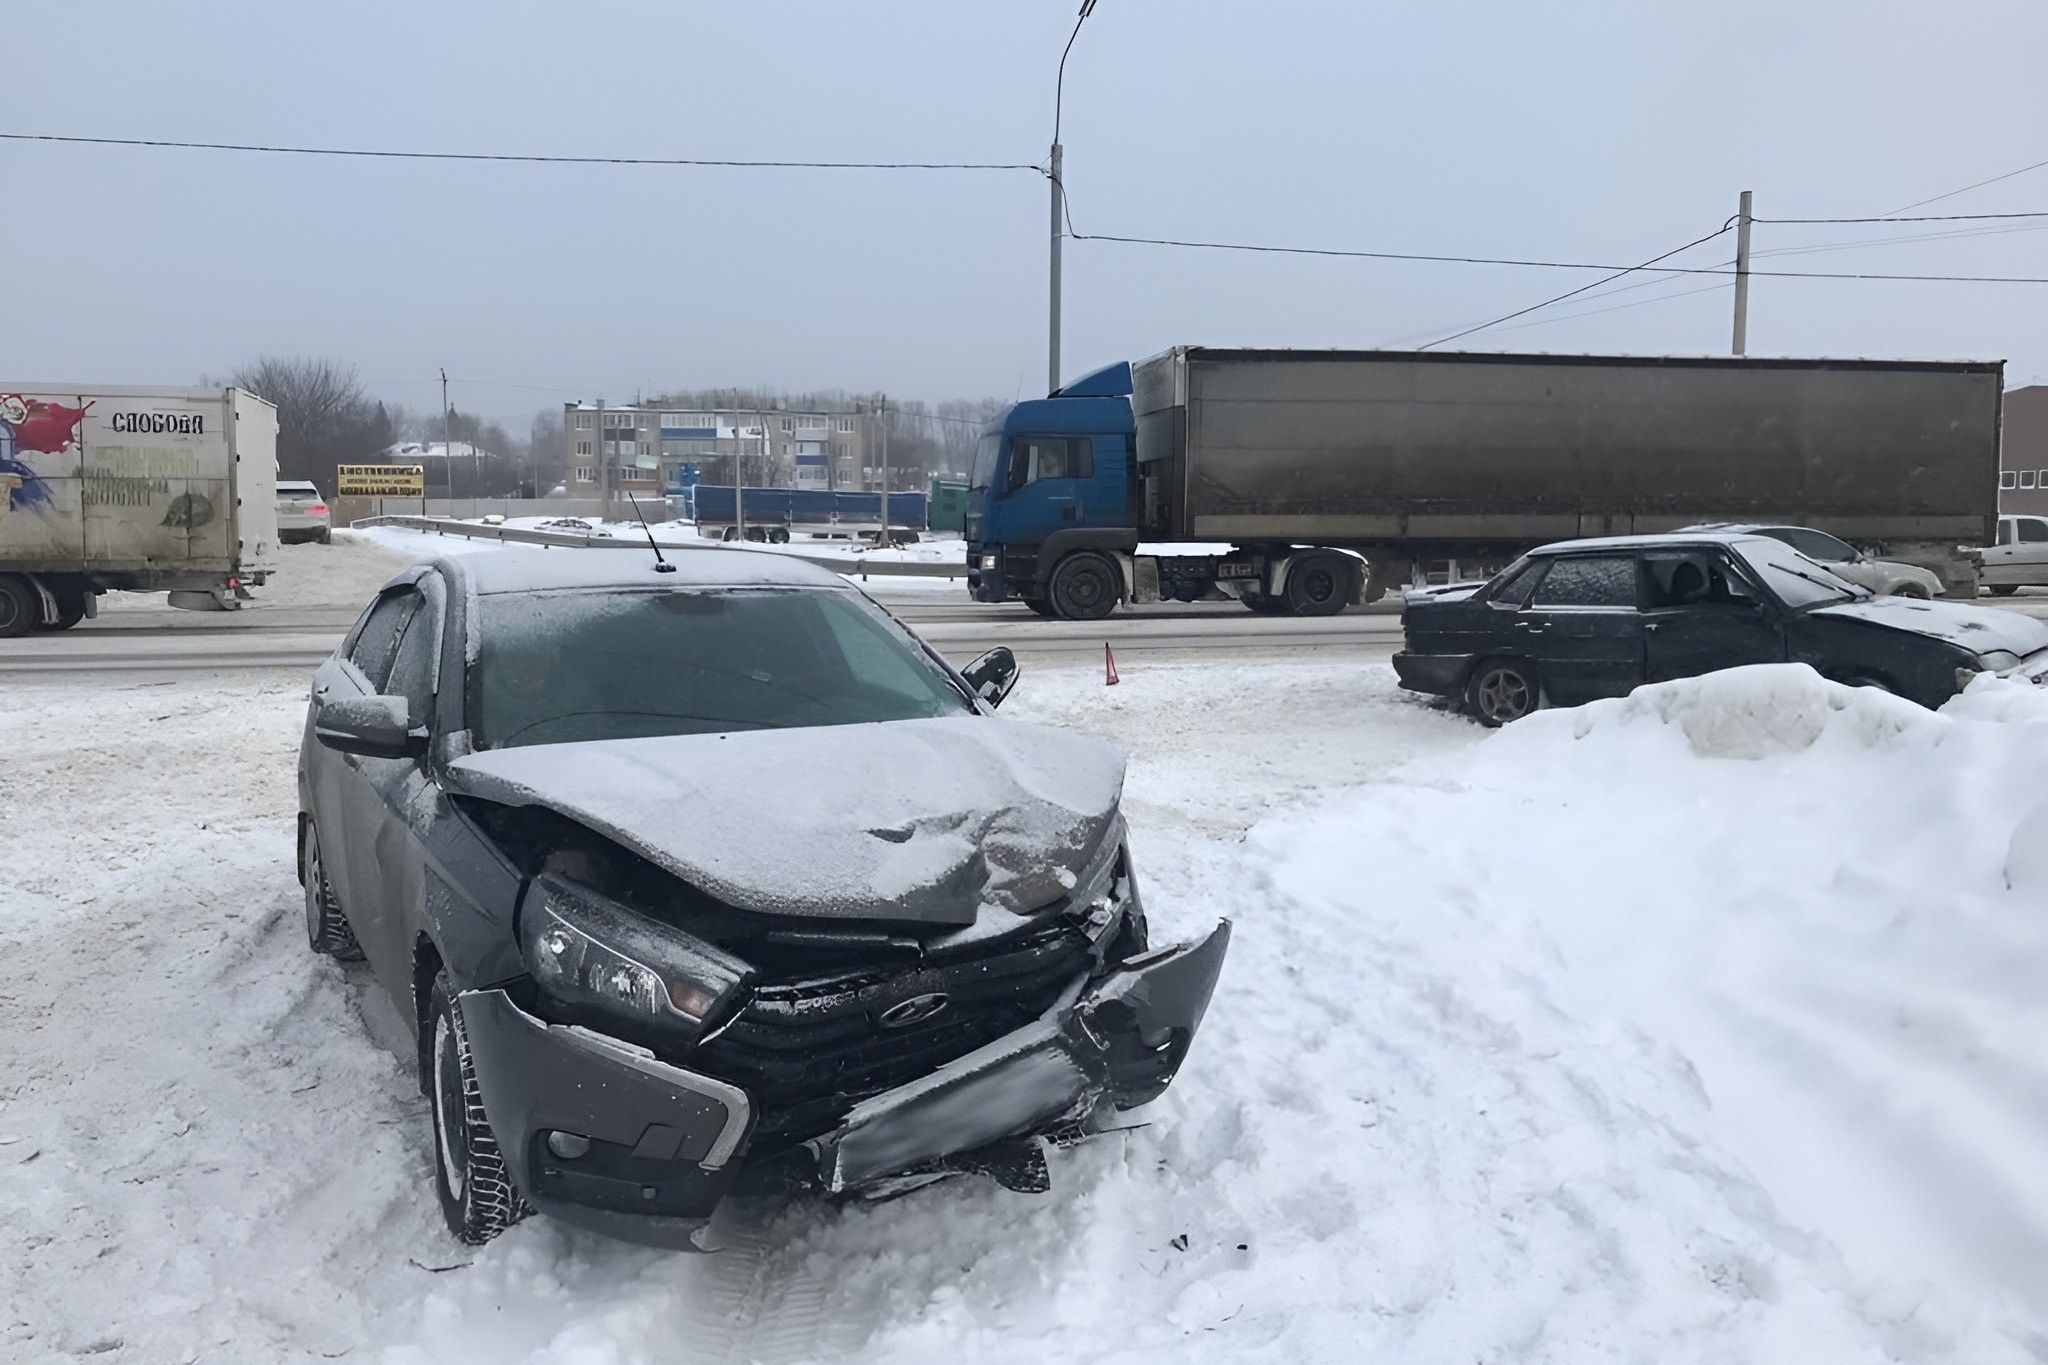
(521,535)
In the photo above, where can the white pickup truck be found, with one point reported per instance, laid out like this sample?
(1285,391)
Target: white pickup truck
(2019,556)
(146,489)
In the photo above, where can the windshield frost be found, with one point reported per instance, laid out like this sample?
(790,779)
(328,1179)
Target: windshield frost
(560,667)
(1797,580)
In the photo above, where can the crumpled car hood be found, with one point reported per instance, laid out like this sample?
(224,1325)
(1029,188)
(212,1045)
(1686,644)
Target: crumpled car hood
(1977,629)
(921,820)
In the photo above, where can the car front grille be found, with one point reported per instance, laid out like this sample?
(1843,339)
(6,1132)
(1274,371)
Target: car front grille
(810,1048)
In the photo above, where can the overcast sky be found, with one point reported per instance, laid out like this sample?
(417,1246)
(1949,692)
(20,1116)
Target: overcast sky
(1561,131)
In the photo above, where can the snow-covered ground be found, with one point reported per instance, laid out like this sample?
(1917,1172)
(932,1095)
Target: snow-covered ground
(1701,1026)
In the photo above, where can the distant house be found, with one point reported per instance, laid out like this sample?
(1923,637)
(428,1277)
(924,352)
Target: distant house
(474,466)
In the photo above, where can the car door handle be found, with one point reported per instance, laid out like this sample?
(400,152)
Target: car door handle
(1650,627)
(1526,626)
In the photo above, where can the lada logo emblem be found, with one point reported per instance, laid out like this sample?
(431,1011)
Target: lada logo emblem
(915,1010)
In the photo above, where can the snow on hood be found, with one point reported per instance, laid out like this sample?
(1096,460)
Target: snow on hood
(1977,629)
(908,820)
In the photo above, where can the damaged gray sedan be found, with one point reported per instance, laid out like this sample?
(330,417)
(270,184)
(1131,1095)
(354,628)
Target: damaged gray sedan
(712,873)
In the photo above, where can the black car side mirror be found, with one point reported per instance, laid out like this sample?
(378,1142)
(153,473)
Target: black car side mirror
(375,727)
(992,675)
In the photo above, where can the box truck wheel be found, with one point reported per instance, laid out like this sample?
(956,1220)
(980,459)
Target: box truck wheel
(1085,587)
(70,607)
(1319,585)
(21,606)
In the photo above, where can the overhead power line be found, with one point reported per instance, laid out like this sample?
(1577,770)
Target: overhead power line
(387,154)
(1921,218)
(1967,188)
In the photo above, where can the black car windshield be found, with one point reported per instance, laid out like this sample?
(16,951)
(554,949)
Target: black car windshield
(555,667)
(1797,580)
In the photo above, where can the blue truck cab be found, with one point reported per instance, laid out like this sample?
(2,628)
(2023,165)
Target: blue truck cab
(1054,496)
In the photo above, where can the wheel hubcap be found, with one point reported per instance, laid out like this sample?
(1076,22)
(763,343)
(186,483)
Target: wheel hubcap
(1503,696)
(1318,586)
(451,1121)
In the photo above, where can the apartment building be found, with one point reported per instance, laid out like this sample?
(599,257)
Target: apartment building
(2023,452)
(644,445)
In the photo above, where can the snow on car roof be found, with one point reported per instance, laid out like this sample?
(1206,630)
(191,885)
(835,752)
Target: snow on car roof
(626,565)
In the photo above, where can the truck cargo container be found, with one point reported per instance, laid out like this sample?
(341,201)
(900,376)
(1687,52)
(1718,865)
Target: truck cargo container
(106,487)
(772,513)
(1301,481)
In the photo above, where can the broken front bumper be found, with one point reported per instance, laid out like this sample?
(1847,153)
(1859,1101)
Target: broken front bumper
(665,1143)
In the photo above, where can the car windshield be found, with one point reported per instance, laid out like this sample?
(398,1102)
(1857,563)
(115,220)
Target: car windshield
(985,458)
(1797,580)
(558,667)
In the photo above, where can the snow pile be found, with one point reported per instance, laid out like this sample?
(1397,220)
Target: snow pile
(1699,1026)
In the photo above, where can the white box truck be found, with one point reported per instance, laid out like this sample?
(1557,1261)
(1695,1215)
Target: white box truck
(107,486)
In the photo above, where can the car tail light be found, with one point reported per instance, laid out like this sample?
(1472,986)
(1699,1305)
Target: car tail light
(317,507)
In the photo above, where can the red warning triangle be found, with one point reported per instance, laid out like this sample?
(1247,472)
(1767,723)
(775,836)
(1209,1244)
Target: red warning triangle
(1108,665)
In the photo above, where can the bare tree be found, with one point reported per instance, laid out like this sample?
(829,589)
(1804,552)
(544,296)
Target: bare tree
(323,416)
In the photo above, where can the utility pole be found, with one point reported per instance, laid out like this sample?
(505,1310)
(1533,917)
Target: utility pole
(1742,221)
(604,469)
(882,536)
(1052,350)
(447,444)
(1059,195)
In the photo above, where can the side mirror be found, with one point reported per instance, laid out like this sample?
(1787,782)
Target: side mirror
(375,727)
(992,675)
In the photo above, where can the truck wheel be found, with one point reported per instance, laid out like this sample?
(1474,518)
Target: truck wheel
(477,1197)
(1318,585)
(1266,606)
(1039,606)
(1501,691)
(1085,587)
(70,608)
(21,607)
(327,929)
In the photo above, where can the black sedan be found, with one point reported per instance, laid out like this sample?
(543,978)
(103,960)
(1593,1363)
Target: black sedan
(1582,619)
(681,873)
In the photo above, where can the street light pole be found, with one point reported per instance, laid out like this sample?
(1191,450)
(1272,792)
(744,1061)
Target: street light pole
(1742,222)
(1059,194)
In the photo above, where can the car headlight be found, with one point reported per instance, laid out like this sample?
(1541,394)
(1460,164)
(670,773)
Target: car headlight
(1997,661)
(586,950)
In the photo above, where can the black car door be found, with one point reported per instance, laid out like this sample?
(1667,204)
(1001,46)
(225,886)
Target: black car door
(1702,613)
(1583,628)
(385,860)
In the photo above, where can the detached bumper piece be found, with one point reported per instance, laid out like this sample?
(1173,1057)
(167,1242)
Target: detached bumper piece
(1118,1044)
(600,1133)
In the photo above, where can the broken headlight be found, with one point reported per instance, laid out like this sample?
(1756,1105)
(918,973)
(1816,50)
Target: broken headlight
(586,950)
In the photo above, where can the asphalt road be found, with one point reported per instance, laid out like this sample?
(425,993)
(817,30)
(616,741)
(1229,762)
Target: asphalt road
(148,640)
(144,639)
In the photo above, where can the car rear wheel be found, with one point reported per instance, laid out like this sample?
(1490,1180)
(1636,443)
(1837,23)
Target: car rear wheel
(1913,590)
(1997,590)
(477,1197)
(327,929)
(1502,691)
(1085,587)
(327,536)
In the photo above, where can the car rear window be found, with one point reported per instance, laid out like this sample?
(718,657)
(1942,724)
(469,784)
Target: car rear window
(557,667)
(304,493)
(1589,581)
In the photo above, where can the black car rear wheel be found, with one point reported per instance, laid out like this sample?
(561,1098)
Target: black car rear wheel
(1501,691)
(2003,589)
(478,1200)
(327,929)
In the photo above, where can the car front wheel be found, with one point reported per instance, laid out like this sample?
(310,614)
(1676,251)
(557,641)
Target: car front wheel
(478,1200)
(1502,691)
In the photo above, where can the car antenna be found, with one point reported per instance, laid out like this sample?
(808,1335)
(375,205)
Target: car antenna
(660,565)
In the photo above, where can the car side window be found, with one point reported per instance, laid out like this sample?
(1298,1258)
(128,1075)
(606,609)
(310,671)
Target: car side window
(1050,457)
(1515,592)
(1685,578)
(2033,530)
(415,665)
(2004,536)
(1589,581)
(377,642)
(1819,545)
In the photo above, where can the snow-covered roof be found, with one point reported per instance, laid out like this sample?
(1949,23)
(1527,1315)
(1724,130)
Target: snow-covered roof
(626,565)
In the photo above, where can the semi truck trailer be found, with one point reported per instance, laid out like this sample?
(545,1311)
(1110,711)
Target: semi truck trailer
(1299,482)
(106,487)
